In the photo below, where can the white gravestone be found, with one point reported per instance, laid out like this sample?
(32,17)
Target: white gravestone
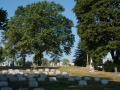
(52,79)
(104,81)
(21,78)
(33,84)
(13,79)
(38,89)
(3,84)
(41,79)
(97,78)
(77,78)
(32,79)
(6,88)
(71,79)
(59,76)
(87,78)
(116,72)
(82,83)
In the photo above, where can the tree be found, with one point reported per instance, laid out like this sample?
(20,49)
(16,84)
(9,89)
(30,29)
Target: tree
(98,27)
(37,28)
(80,56)
(1,54)
(3,19)
(65,61)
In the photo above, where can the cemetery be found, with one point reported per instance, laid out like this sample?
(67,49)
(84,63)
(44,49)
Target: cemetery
(62,78)
(37,42)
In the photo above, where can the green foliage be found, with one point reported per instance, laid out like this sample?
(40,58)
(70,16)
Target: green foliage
(109,66)
(65,61)
(3,19)
(80,56)
(98,26)
(1,54)
(44,61)
(19,62)
(37,28)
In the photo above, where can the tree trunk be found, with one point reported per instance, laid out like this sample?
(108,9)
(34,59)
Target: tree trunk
(87,61)
(112,54)
(24,61)
(115,57)
(39,59)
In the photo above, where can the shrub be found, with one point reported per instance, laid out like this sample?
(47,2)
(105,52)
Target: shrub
(108,66)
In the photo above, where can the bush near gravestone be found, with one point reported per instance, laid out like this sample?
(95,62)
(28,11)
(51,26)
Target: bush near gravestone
(108,66)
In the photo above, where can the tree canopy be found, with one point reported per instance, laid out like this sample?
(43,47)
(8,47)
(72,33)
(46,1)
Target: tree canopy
(3,19)
(99,27)
(37,28)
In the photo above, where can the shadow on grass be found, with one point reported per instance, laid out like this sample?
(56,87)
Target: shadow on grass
(63,84)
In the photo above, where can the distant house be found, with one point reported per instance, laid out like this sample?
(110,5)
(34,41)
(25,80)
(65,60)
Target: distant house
(5,63)
(71,63)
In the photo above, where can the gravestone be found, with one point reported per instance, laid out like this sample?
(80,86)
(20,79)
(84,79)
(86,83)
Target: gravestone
(43,75)
(91,68)
(97,78)
(6,88)
(35,66)
(13,79)
(77,78)
(38,89)
(34,70)
(3,78)
(19,75)
(51,73)
(40,70)
(4,72)
(3,84)
(29,75)
(32,79)
(104,81)
(21,78)
(66,75)
(87,78)
(9,75)
(27,70)
(33,84)
(116,72)
(52,79)
(52,70)
(41,79)
(17,71)
(59,76)
(82,83)
(36,74)
(71,79)
(46,69)
(24,89)
(63,73)
(21,72)
(57,72)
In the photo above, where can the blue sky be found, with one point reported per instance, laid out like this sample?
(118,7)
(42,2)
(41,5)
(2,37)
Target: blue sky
(11,6)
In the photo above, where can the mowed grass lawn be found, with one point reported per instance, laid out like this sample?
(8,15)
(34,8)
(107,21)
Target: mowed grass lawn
(64,84)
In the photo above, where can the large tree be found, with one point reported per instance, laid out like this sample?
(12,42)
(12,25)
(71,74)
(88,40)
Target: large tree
(99,27)
(37,28)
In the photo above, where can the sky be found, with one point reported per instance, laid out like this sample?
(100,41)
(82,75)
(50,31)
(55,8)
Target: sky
(11,5)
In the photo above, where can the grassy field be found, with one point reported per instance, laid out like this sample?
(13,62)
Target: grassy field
(63,84)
